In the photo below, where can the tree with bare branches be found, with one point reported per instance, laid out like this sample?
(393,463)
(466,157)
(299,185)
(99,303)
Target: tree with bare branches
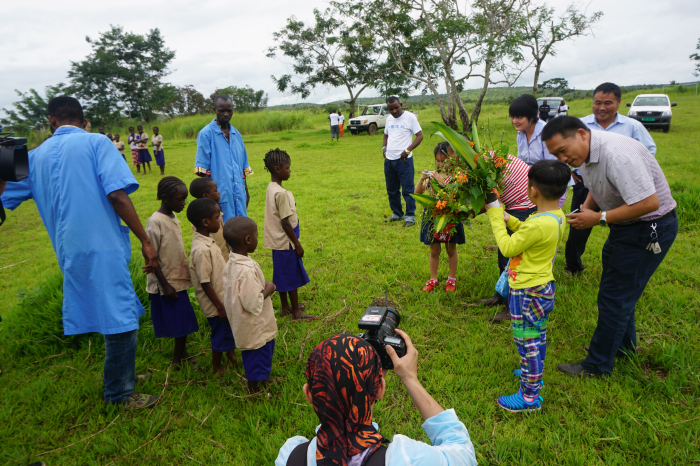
(542,31)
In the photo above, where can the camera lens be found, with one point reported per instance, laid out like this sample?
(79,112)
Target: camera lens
(14,161)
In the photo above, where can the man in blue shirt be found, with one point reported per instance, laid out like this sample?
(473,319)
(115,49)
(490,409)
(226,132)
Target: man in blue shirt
(606,102)
(81,187)
(221,155)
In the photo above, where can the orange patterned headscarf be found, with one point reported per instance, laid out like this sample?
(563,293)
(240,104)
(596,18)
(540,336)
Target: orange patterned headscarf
(344,374)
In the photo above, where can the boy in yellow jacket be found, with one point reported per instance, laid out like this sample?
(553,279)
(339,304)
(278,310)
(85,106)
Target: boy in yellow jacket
(532,249)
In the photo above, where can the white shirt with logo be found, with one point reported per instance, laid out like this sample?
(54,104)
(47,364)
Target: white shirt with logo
(400,133)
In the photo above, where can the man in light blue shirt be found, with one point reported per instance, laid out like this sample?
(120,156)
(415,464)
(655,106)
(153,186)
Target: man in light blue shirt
(221,154)
(605,117)
(81,187)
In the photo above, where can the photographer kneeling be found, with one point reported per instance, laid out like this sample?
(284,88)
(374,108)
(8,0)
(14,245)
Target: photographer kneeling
(344,380)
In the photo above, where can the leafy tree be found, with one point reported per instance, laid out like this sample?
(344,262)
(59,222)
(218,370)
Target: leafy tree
(330,53)
(245,99)
(186,101)
(436,43)
(31,111)
(124,72)
(556,85)
(696,58)
(542,31)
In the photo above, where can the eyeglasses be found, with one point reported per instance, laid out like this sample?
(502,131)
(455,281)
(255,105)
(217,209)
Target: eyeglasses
(515,117)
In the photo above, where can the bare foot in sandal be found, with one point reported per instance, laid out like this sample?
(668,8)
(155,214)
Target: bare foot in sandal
(302,316)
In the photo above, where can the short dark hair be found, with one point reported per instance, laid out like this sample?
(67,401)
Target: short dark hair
(564,125)
(276,157)
(441,148)
(200,186)
(524,106)
(65,108)
(392,98)
(237,228)
(609,88)
(199,209)
(550,177)
(223,97)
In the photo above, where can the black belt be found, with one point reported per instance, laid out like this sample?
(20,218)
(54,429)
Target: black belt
(663,217)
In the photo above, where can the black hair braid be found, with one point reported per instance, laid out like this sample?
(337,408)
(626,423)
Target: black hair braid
(276,157)
(168,184)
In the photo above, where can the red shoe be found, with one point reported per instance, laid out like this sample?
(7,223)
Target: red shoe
(451,285)
(430,285)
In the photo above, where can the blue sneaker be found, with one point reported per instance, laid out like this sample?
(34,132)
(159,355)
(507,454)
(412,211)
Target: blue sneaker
(518,372)
(516,403)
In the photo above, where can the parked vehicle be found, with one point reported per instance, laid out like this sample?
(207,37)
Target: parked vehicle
(652,110)
(372,118)
(553,103)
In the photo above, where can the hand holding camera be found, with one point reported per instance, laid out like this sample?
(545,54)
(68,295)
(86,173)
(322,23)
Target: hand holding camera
(405,367)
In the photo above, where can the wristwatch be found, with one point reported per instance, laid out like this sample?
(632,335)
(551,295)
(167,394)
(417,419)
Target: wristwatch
(603,222)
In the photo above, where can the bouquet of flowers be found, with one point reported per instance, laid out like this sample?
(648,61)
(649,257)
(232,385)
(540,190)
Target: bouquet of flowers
(470,179)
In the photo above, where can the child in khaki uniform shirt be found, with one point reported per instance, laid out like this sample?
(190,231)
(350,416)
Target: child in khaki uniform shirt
(171,311)
(204,187)
(207,271)
(248,304)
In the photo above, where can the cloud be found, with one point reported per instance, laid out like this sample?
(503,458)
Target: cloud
(221,43)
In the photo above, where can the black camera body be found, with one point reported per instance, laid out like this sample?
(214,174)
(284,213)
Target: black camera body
(379,324)
(14,162)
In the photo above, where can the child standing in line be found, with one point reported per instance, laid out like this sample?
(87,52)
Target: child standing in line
(204,187)
(433,238)
(119,145)
(142,146)
(207,271)
(171,311)
(282,236)
(248,304)
(532,249)
(157,143)
(131,139)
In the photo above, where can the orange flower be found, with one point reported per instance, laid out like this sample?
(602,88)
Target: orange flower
(499,162)
(476,158)
(471,143)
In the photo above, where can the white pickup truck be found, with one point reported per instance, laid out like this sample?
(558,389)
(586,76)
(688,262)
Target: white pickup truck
(372,118)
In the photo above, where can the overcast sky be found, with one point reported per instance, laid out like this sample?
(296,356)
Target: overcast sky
(220,43)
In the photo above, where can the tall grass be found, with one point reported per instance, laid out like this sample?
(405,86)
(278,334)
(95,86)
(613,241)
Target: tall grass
(246,123)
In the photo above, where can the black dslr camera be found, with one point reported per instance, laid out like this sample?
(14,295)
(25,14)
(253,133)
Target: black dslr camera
(379,324)
(14,162)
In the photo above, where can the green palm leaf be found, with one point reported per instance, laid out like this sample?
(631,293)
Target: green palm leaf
(458,142)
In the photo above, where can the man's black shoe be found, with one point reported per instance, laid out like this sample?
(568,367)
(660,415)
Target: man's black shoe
(505,315)
(577,370)
(490,302)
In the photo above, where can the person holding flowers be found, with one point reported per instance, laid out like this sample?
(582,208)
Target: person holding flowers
(428,235)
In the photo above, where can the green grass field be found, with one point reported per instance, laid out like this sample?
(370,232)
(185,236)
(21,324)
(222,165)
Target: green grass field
(648,412)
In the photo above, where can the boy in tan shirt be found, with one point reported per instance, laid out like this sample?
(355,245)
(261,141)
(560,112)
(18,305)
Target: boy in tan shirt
(207,271)
(204,187)
(248,304)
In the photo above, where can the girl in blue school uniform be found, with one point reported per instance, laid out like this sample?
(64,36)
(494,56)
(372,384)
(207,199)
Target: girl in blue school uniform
(171,311)
(282,236)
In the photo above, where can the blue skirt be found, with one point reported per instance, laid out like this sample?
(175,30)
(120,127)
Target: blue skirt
(172,318)
(144,156)
(221,335)
(258,363)
(160,157)
(288,273)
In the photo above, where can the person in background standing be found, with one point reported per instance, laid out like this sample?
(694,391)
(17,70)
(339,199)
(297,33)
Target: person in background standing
(606,102)
(397,148)
(119,145)
(335,121)
(341,123)
(563,108)
(101,130)
(221,155)
(157,143)
(87,126)
(131,139)
(544,111)
(142,146)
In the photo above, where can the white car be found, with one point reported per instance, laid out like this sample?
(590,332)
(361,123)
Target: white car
(652,110)
(372,119)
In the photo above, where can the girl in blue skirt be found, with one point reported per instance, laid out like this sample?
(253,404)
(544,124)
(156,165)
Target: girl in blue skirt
(171,311)
(282,236)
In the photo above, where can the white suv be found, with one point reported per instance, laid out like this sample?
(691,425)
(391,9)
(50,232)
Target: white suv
(372,119)
(652,110)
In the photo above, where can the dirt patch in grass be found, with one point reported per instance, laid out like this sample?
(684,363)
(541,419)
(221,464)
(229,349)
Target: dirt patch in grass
(380,302)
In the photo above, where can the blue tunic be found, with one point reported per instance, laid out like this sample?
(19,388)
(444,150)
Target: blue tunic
(70,176)
(226,160)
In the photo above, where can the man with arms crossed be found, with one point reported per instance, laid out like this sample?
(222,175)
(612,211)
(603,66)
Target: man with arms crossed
(606,102)
(626,183)
(222,156)
(82,209)
(398,160)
